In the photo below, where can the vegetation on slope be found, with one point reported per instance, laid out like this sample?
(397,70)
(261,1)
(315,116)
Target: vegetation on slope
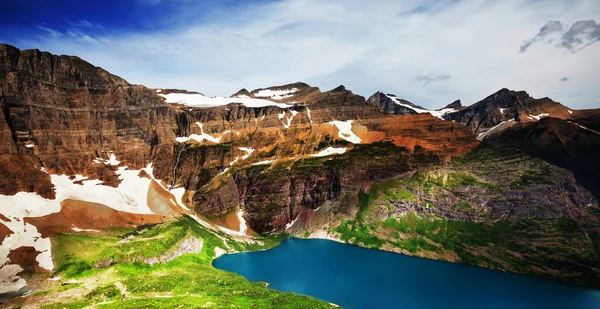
(460,214)
(96,269)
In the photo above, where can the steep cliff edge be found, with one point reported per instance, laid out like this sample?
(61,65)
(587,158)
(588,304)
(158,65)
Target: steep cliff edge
(61,113)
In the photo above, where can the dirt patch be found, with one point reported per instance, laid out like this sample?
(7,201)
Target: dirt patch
(143,174)
(4,232)
(25,257)
(87,215)
(230,221)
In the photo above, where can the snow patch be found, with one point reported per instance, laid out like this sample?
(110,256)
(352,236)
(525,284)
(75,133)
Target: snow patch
(202,136)
(502,110)
(538,117)
(276,94)
(243,226)
(570,111)
(219,252)
(9,281)
(289,225)
(78,230)
(112,160)
(264,162)
(248,151)
(504,124)
(289,119)
(345,128)
(309,117)
(200,101)
(585,128)
(158,90)
(439,113)
(329,151)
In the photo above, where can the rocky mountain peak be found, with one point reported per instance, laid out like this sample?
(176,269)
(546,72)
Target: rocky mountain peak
(241,93)
(67,72)
(339,88)
(506,105)
(456,104)
(392,104)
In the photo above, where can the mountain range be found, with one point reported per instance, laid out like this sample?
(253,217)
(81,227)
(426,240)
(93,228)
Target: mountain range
(508,183)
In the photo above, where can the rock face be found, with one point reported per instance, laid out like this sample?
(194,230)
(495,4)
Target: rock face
(456,105)
(272,194)
(495,207)
(188,245)
(60,113)
(505,105)
(388,105)
(566,143)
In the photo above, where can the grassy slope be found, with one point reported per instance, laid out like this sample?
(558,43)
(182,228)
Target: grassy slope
(188,281)
(556,248)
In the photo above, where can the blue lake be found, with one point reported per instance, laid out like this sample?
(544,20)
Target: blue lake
(359,278)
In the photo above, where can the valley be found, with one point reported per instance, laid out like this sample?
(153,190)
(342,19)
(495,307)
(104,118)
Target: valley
(118,195)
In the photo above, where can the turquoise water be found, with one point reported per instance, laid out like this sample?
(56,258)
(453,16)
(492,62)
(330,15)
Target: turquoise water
(357,278)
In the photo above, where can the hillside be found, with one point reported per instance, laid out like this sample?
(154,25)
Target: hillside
(90,165)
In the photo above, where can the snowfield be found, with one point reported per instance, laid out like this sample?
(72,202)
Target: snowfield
(130,196)
(345,128)
(199,100)
(276,94)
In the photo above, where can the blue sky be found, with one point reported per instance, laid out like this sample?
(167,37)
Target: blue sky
(428,51)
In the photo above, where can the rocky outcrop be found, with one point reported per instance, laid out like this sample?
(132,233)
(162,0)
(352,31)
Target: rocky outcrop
(61,113)
(384,101)
(189,245)
(505,105)
(455,105)
(566,143)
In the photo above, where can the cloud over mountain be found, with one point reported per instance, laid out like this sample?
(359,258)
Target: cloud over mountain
(429,77)
(580,35)
(219,47)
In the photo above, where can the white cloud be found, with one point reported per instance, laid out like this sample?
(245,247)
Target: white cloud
(53,33)
(379,45)
(429,77)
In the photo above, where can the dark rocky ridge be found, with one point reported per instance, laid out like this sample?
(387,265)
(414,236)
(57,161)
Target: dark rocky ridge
(486,113)
(456,105)
(383,101)
(561,142)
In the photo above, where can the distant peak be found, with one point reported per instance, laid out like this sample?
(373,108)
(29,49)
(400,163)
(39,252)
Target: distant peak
(241,92)
(455,104)
(296,85)
(339,88)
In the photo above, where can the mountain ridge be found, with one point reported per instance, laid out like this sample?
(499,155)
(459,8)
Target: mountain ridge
(95,152)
